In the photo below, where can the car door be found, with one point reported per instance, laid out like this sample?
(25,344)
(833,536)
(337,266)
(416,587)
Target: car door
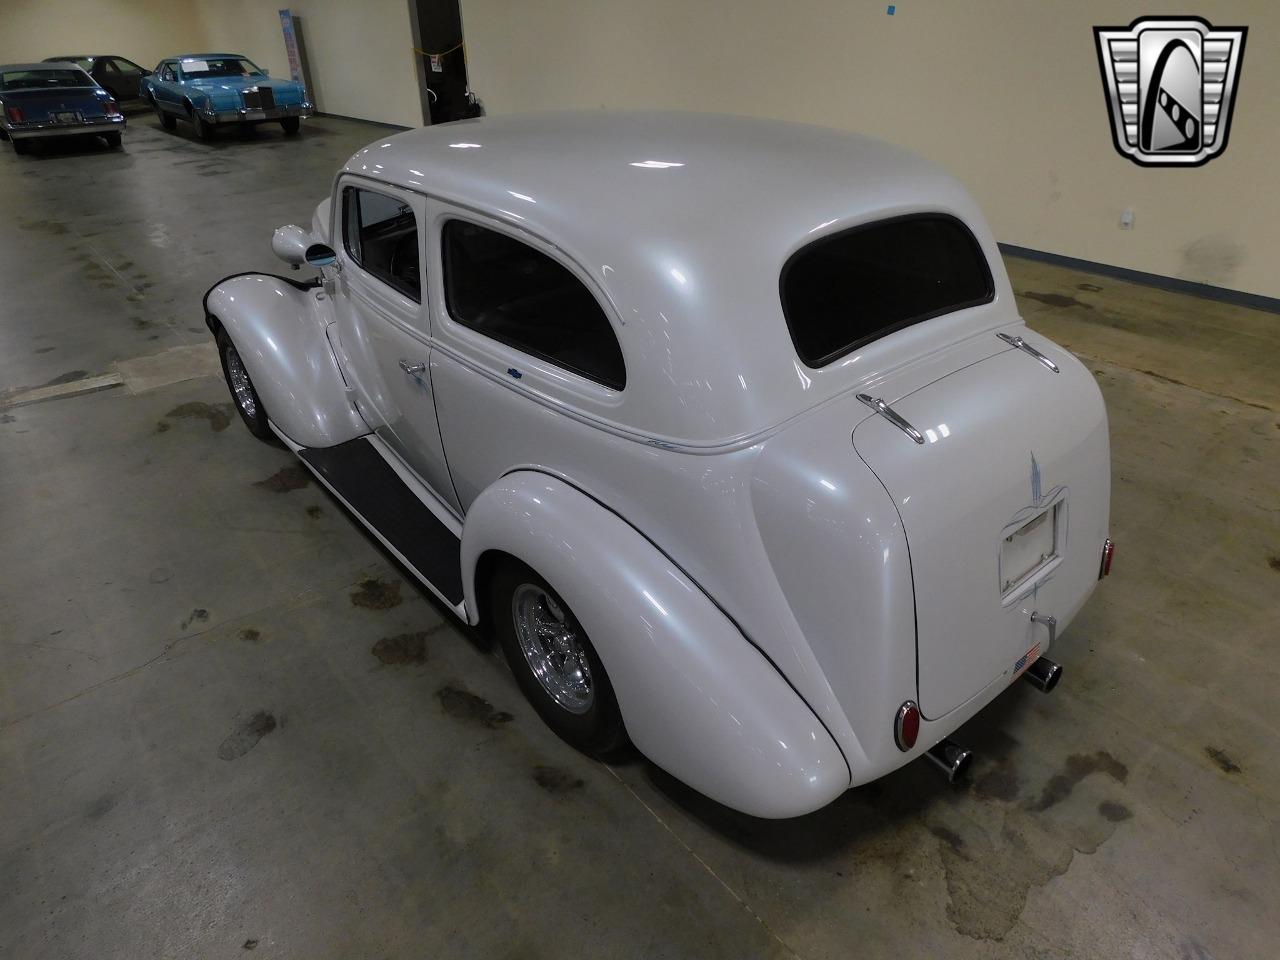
(168,92)
(383,326)
(126,77)
(521,338)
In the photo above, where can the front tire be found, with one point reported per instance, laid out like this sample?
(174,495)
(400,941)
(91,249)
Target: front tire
(291,125)
(553,660)
(167,120)
(243,393)
(203,128)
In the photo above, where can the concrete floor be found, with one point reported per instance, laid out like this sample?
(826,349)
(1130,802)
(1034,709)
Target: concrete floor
(229,723)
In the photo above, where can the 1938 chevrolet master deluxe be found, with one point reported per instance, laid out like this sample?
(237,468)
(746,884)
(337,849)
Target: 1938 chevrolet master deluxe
(728,430)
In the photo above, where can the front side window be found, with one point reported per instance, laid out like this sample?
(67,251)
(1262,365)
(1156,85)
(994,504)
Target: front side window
(166,72)
(844,291)
(124,66)
(381,235)
(515,294)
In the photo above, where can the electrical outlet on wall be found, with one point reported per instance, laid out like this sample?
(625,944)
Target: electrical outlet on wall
(1126,219)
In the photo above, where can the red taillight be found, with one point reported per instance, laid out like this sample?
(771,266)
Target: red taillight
(113,110)
(906,725)
(14,114)
(1108,551)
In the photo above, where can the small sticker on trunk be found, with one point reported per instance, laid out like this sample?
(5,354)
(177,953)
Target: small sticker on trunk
(1026,660)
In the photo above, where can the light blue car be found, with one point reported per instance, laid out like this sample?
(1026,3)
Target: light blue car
(209,89)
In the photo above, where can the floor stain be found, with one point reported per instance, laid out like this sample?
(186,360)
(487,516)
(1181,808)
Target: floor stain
(1273,561)
(250,635)
(948,836)
(1076,768)
(556,780)
(246,736)
(162,426)
(293,477)
(8,418)
(218,414)
(249,944)
(1089,287)
(402,649)
(45,349)
(101,807)
(199,615)
(1055,299)
(71,376)
(54,227)
(1115,812)
(1222,760)
(377,594)
(160,575)
(314,512)
(465,705)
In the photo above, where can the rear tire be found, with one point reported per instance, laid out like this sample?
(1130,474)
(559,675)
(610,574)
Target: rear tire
(21,146)
(243,393)
(113,140)
(291,125)
(538,631)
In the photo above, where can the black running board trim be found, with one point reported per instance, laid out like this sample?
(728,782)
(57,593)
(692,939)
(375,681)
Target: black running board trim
(361,476)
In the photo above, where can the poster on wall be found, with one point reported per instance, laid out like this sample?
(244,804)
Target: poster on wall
(291,45)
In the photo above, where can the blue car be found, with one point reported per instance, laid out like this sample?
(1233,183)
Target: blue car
(54,100)
(210,89)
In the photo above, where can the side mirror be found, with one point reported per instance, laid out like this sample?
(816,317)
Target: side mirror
(320,255)
(290,244)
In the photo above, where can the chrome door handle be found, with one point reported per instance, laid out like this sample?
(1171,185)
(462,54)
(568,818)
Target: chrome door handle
(886,411)
(1025,347)
(412,367)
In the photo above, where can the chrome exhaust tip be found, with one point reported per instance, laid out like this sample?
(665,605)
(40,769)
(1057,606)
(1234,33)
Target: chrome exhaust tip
(1044,674)
(951,758)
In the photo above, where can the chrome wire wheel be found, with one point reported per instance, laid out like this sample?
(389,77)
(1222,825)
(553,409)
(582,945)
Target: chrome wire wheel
(241,385)
(553,646)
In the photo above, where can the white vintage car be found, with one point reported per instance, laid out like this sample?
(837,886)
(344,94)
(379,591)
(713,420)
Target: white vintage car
(728,430)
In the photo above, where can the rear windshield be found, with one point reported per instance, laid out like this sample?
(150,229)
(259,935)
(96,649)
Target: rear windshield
(39,79)
(846,290)
(197,68)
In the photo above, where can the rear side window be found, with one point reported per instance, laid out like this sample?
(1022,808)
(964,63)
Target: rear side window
(511,292)
(381,235)
(844,291)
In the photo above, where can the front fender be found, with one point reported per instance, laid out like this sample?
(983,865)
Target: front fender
(279,331)
(697,698)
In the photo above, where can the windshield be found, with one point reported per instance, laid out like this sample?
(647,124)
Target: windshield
(40,79)
(197,69)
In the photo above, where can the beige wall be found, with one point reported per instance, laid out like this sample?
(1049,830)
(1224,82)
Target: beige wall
(142,30)
(1007,95)
(360,53)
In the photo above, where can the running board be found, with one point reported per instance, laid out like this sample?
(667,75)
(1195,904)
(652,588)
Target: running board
(360,476)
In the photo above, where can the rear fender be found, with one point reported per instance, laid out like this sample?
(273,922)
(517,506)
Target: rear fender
(697,698)
(278,328)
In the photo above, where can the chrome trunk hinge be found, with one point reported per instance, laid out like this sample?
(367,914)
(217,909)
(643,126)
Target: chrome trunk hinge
(886,411)
(1028,348)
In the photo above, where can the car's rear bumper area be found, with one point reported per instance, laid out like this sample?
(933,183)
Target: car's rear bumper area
(34,131)
(253,115)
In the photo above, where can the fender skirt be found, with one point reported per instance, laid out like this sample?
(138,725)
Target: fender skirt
(279,332)
(697,698)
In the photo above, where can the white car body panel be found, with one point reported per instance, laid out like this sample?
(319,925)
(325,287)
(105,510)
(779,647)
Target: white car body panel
(819,567)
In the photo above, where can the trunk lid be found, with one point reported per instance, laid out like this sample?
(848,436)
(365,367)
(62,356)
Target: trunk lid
(39,104)
(1005,507)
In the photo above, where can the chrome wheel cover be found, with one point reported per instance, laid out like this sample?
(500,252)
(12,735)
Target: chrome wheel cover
(554,648)
(241,385)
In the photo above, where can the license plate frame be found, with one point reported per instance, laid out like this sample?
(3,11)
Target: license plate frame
(65,116)
(1029,547)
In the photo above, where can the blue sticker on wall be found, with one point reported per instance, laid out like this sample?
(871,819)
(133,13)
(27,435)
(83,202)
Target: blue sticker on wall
(892,8)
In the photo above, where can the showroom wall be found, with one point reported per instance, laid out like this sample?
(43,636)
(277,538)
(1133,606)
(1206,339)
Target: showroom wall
(142,30)
(1004,93)
(360,54)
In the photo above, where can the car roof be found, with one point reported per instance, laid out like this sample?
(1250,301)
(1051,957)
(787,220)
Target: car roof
(207,56)
(43,65)
(87,56)
(684,221)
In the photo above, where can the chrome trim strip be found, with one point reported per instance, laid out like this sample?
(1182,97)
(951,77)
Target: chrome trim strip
(1028,348)
(886,411)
